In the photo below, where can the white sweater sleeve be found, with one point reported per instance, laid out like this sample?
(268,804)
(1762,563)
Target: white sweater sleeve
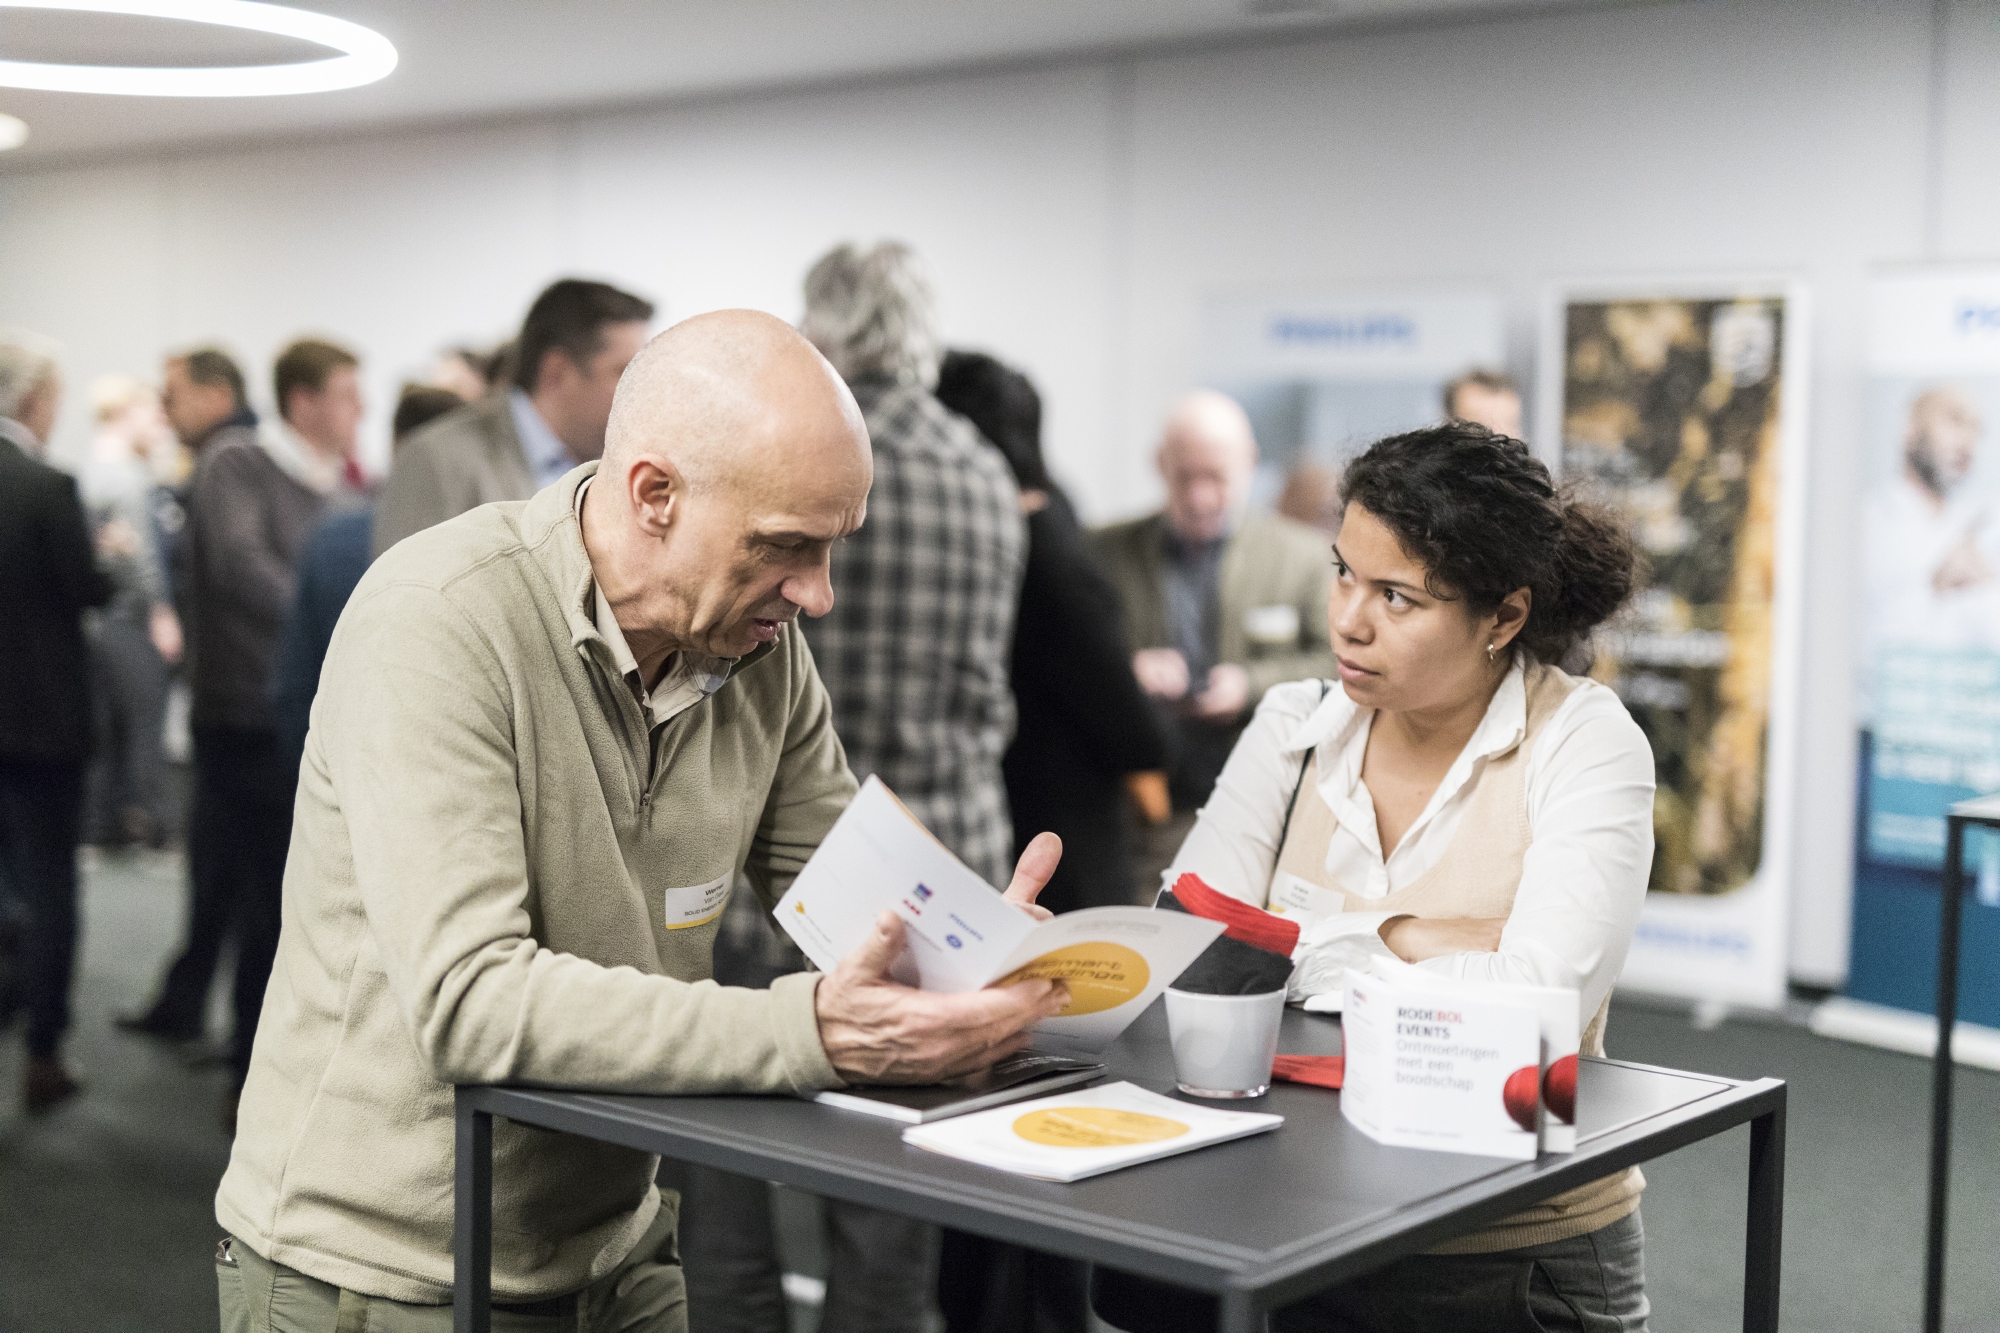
(1583,881)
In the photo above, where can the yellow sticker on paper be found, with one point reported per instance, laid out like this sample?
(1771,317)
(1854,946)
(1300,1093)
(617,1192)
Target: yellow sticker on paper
(1100,976)
(1095,1127)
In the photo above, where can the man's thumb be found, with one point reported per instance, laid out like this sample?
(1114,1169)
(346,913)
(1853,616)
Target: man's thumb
(875,955)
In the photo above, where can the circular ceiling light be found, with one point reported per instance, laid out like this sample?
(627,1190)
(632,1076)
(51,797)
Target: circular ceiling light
(366,55)
(13,132)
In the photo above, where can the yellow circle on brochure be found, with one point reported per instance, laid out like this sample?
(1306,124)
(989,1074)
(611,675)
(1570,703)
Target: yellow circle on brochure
(1099,976)
(1095,1127)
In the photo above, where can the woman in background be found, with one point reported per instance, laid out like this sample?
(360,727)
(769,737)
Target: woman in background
(1083,723)
(1457,801)
(1083,726)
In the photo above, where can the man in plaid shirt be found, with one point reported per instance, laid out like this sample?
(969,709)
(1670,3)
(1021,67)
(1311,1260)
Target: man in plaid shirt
(914,652)
(914,655)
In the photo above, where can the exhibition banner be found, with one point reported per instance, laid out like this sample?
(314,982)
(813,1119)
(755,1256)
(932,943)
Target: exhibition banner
(1325,374)
(1927,700)
(1681,406)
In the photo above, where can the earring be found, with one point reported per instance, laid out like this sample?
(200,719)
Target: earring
(1490,652)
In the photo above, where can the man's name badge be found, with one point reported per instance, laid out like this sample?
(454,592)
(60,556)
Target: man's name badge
(1273,625)
(697,904)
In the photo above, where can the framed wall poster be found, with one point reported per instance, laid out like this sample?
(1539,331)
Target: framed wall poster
(1323,374)
(1927,698)
(1681,404)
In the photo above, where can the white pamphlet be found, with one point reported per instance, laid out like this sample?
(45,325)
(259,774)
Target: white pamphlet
(963,935)
(1432,1066)
(1076,1134)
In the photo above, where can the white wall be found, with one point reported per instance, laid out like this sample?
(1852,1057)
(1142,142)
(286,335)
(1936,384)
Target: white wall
(1076,215)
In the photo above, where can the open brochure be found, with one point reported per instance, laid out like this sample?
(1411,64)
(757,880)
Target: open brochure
(1077,1134)
(963,935)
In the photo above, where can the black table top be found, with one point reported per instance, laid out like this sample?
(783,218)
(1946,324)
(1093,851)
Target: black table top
(1282,1213)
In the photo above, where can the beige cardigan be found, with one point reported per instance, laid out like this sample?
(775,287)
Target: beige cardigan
(482,841)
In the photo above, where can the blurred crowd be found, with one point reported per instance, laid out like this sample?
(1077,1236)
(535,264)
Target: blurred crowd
(170,600)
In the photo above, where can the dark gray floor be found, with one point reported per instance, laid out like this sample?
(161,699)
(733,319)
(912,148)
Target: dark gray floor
(105,1221)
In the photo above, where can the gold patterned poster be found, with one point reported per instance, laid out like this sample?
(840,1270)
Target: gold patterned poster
(1671,414)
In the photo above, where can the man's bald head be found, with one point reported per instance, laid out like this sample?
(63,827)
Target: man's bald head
(728,394)
(734,458)
(1207,454)
(1941,444)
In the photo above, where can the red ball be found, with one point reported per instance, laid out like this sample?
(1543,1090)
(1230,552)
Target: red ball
(1520,1095)
(1559,1089)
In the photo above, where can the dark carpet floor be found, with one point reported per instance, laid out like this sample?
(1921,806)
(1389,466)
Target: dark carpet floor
(106,1226)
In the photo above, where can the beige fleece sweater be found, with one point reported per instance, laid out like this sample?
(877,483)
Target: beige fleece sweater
(484,839)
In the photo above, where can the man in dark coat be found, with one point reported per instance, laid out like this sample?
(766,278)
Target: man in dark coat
(48,575)
(254,500)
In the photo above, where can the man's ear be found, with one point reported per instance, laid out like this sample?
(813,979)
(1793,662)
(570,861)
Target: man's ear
(655,488)
(555,368)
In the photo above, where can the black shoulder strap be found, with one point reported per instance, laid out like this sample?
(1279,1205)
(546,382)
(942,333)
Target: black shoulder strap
(1325,688)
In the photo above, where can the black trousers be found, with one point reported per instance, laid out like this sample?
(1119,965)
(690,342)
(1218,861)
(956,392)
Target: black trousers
(245,779)
(41,810)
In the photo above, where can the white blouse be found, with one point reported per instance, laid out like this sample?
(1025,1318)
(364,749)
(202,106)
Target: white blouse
(1589,785)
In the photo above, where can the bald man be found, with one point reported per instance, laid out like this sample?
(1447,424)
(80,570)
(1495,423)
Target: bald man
(1223,604)
(548,736)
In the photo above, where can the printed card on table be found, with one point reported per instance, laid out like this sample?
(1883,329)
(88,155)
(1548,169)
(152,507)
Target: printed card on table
(1436,1067)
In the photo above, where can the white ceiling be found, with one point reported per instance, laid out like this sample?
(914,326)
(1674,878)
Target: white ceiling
(465,59)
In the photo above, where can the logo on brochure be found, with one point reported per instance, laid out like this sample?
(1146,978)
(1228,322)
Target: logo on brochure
(954,941)
(923,894)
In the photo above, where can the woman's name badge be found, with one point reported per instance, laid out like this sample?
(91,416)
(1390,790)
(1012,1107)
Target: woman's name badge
(1277,624)
(1301,898)
(697,904)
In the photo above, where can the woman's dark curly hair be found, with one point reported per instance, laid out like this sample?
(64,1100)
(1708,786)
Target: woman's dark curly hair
(1482,515)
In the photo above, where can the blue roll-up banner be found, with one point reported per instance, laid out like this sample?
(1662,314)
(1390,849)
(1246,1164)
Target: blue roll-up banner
(1927,699)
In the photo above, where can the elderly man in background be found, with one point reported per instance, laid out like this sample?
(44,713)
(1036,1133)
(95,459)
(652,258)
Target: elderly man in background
(253,501)
(915,653)
(1223,604)
(548,736)
(47,577)
(576,341)
(1488,398)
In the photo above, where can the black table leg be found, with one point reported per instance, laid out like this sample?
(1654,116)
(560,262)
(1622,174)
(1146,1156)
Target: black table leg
(1238,1313)
(472,1223)
(1950,909)
(1763,1234)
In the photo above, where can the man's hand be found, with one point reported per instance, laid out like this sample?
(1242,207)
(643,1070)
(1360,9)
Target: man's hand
(1226,696)
(117,538)
(1964,566)
(1031,874)
(1415,938)
(1162,672)
(879,1031)
(165,629)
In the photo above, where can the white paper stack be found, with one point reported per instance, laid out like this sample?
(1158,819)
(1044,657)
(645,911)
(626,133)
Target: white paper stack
(1077,1134)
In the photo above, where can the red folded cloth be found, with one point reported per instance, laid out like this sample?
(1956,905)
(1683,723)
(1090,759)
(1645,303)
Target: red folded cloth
(1252,925)
(1324,1071)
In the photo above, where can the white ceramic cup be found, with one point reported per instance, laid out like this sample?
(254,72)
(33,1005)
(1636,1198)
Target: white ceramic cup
(1224,1044)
